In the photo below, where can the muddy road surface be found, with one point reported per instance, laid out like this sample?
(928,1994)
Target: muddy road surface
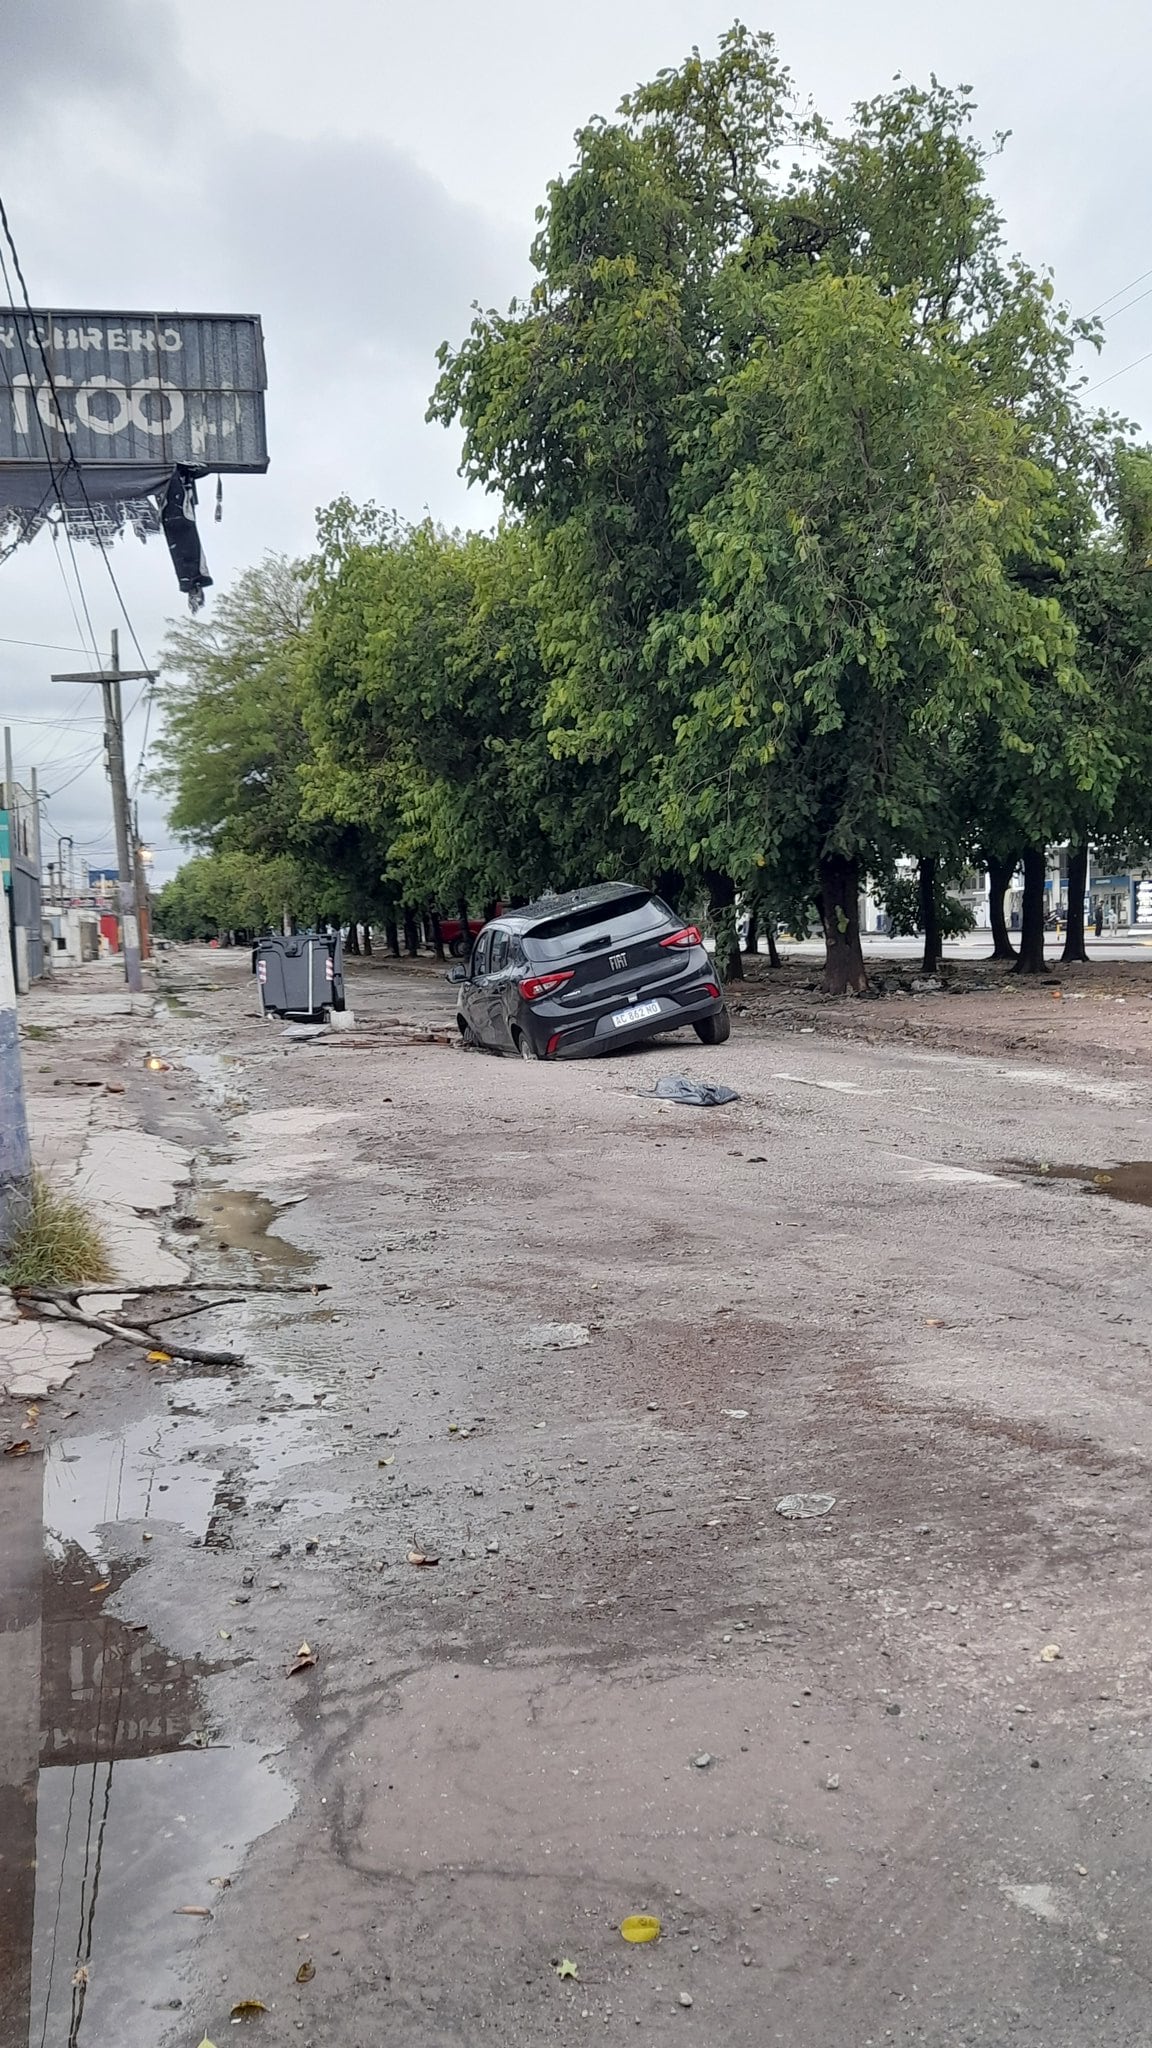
(883,1772)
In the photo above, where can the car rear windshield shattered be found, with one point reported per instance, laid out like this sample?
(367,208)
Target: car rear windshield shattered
(595,925)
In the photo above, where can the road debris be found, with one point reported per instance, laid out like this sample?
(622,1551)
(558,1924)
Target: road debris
(247,2008)
(685,1998)
(306,1972)
(558,1336)
(692,1094)
(804,1507)
(704,1760)
(304,1660)
(422,1557)
(567,1968)
(1051,1653)
(736,1414)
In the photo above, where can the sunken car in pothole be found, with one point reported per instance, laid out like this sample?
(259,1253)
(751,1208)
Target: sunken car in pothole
(582,973)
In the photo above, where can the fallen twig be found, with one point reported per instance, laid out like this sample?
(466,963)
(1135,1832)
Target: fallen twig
(177,1287)
(175,1315)
(127,1333)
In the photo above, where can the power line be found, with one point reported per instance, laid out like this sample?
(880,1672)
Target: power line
(48,455)
(1130,286)
(1128,308)
(48,646)
(73,463)
(1118,373)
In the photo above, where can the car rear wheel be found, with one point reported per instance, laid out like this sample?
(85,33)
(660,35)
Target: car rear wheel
(714,1030)
(459,949)
(525,1047)
(467,1035)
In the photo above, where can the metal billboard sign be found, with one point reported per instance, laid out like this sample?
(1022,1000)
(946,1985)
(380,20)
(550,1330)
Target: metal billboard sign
(143,392)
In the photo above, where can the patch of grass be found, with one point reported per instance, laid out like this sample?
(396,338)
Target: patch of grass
(38,1030)
(56,1245)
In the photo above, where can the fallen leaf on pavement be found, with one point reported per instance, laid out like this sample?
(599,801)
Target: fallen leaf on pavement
(223,1883)
(101,1586)
(566,1968)
(225,1635)
(80,1974)
(306,1972)
(387,1461)
(935,1323)
(159,1358)
(422,1557)
(32,1414)
(206,2043)
(640,1927)
(305,1658)
(18,1450)
(245,2008)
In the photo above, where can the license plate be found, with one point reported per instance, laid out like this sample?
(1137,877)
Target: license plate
(635,1014)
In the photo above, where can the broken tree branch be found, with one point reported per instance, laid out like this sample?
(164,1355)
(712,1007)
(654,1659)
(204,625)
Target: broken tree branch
(145,1339)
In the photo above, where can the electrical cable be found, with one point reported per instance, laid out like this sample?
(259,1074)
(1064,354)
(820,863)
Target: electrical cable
(1130,286)
(54,471)
(1118,373)
(73,462)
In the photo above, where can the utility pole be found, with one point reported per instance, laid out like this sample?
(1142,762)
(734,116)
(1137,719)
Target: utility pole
(15,1159)
(110,680)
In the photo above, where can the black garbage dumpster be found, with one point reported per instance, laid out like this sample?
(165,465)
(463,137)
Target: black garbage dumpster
(300,975)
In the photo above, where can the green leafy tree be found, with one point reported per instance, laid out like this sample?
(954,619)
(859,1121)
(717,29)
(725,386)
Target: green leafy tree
(793,449)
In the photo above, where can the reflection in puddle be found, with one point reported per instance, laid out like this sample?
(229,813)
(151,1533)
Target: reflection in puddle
(120,1801)
(149,1472)
(1131,1181)
(241,1221)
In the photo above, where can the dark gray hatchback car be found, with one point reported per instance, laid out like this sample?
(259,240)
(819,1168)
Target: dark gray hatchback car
(576,974)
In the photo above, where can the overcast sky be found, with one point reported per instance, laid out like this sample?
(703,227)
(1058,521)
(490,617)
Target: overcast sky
(360,173)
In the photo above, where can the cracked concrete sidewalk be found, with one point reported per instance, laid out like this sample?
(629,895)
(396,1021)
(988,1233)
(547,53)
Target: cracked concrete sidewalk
(89,1145)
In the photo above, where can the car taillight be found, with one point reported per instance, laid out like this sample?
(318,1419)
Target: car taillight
(690,936)
(710,988)
(538,985)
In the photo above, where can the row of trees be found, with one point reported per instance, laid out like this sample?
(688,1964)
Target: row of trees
(813,558)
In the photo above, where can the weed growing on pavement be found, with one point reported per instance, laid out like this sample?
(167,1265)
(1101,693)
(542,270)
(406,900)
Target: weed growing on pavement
(56,1245)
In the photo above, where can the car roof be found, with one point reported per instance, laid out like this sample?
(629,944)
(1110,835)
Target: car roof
(548,907)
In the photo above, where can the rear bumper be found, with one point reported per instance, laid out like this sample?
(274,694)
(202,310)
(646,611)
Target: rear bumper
(584,1037)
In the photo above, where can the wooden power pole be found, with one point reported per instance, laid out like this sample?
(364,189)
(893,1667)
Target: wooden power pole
(110,680)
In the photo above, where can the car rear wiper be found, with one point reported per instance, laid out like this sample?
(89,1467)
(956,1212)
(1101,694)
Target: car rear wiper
(594,945)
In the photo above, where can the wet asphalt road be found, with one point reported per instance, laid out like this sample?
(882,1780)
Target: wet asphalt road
(910,1826)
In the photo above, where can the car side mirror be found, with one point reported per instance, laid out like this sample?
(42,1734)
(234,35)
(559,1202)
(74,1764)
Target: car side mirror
(456,974)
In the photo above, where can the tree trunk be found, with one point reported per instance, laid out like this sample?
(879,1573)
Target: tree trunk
(411,934)
(1031,957)
(1074,947)
(437,934)
(352,942)
(1000,873)
(722,903)
(770,935)
(929,914)
(489,911)
(751,942)
(367,945)
(392,937)
(670,887)
(844,973)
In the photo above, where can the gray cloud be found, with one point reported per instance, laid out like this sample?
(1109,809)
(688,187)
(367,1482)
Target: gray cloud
(118,53)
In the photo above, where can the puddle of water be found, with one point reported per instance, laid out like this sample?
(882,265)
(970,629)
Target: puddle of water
(149,1472)
(119,1803)
(236,1219)
(1131,1181)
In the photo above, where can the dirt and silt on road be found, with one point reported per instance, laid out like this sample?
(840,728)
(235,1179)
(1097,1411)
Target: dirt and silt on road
(831,1755)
